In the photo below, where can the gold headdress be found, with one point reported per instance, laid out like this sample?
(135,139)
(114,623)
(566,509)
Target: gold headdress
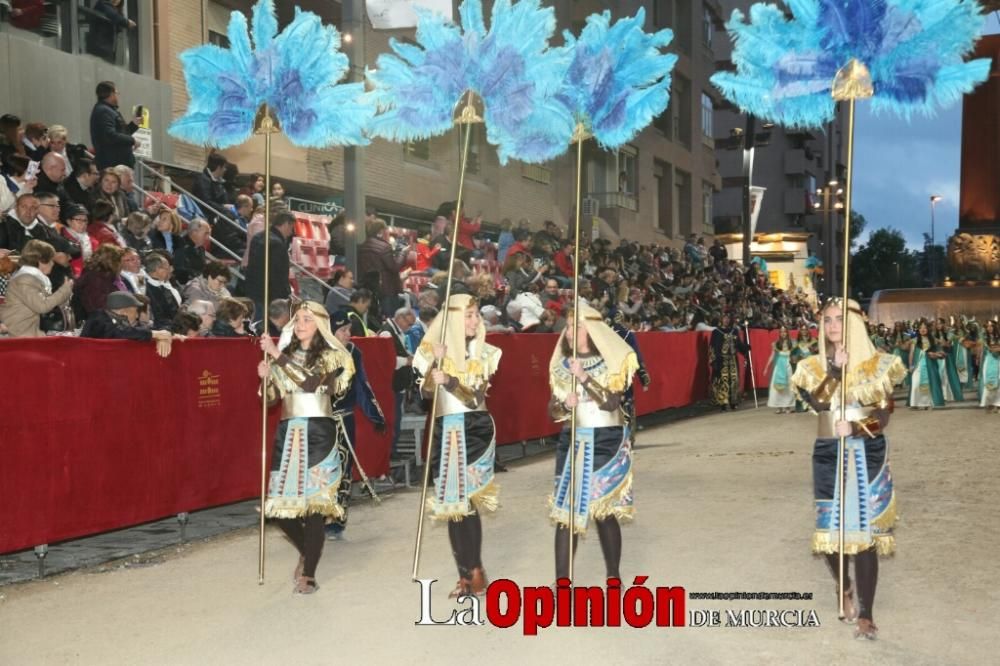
(463,358)
(340,357)
(619,357)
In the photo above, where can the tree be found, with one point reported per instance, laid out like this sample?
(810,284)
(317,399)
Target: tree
(858,224)
(884,263)
(932,261)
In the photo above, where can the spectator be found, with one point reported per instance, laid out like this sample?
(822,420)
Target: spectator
(126,198)
(29,292)
(425,255)
(52,178)
(505,241)
(99,278)
(106,190)
(720,256)
(164,297)
(189,257)
(103,225)
(75,230)
(564,263)
(205,311)
(11,134)
(111,136)
(14,181)
(133,274)
(256,190)
(102,39)
(491,319)
(48,229)
(440,235)
(210,285)
(340,295)
(424,318)
(187,324)
(520,273)
(58,138)
(278,194)
(118,322)
(36,141)
(209,188)
(282,229)
(552,298)
(244,211)
(80,187)
(166,235)
(531,310)
(19,225)
(278,315)
(357,313)
(381,266)
(230,320)
(26,14)
(136,233)
(402,377)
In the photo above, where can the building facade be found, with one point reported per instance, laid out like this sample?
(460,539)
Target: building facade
(658,188)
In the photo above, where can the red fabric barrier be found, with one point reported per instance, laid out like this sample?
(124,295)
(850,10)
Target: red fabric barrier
(101,434)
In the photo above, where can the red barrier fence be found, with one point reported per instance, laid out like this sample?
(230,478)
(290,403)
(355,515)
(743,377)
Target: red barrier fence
(100,434)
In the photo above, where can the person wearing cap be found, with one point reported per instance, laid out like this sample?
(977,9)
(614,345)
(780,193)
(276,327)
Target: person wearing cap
(600,374)
(359,396)
(462,457)
(310,371)
(118,321)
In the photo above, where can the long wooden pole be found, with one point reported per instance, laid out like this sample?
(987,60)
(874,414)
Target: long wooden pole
(842,447)
(467,118)
(266,128)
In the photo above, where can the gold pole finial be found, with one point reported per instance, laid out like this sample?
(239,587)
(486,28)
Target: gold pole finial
(470,109)
(853,81)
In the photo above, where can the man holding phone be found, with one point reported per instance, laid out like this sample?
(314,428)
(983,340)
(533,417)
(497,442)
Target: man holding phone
(111,136)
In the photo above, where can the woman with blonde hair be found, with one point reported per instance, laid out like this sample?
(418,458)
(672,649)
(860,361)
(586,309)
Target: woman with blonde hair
(847,354)
(29,291)
(463,456)
(166,233)
(602,483)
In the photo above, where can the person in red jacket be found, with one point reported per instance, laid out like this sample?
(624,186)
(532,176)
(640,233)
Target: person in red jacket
(425,254)
(102,225)
(467,229)
(564,261)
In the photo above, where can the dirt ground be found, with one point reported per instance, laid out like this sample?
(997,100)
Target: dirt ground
(723,504)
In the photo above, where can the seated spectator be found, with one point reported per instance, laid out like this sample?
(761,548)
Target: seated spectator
(230,320)
(133,274)
(205,311)
(357,312)
(425,254)
(250,307)
(186,324)
(36,141)
(104,225)
(120,321)
(210,285)
(47,228)
(126,199)
(14,181)
(75,230)
(189,258)
(166,233)
(52,179)
(107,190)
(82,184)
(145,316)
(29,292)
(99,278)
(58,140)
(340,295)
(491,319)
(278,315)
(520,273)
(26,14)
(136,233)
(164,298)
(552,298)
(417,332)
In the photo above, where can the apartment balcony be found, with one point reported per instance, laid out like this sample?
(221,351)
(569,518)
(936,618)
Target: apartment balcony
(616,200)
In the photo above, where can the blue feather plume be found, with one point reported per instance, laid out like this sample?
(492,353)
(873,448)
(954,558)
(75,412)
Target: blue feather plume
(619,79)
(914,49)
(296,73)
(509,65)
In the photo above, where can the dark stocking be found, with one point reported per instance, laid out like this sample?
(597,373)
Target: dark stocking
(866,571)
(831,561)
(562,551)
(610,533)
(466,538)
(308,537)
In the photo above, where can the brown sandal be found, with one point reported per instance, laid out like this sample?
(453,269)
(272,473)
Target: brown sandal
(479,582)
(305,585)
(866,630)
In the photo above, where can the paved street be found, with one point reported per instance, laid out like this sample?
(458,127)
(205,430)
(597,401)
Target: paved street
(723,504)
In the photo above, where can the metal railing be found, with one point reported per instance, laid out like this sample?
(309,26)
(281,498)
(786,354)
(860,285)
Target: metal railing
(221,218)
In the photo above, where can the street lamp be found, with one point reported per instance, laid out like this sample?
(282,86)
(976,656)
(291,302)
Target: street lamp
(933,254)
(830,203)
